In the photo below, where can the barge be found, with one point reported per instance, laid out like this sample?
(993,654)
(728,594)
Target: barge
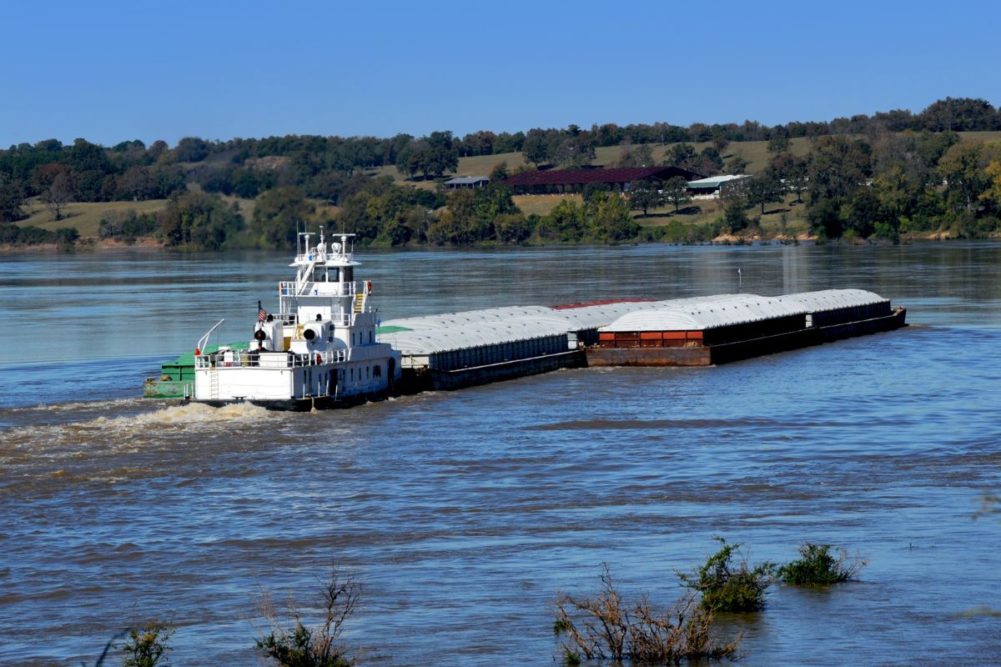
(462,349)
(326,348)
(720,329)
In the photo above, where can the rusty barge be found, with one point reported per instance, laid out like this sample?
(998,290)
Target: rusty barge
(715,330)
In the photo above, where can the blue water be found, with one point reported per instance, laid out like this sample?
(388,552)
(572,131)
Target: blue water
(464,513)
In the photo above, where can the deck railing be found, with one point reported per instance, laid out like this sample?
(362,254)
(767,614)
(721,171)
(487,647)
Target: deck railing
(254,359)
(287,288)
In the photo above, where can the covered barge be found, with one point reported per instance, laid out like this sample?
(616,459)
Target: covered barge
(463,349)
(718,329)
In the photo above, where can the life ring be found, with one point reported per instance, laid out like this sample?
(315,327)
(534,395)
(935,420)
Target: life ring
(368,287)
(319,359)
(259,335)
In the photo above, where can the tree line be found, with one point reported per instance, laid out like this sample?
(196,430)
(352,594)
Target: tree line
(881,185)
(886,174)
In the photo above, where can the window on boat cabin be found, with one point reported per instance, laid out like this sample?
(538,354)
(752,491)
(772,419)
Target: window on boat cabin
(368,372)
(377,371)
(371,336)
(349,274)
(352,374)
(332,274)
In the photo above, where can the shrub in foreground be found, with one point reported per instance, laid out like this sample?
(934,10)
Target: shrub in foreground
(817,567)
(147,644)
(605,628)
(304,646)
(728,586)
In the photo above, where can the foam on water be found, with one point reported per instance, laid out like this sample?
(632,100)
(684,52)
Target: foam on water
(124,433)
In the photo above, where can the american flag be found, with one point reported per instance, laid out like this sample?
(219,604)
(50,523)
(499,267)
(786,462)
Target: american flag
(262,315)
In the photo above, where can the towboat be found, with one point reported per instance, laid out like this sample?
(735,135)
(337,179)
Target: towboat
(318,351)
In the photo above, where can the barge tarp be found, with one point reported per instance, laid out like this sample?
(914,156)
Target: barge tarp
(701,332)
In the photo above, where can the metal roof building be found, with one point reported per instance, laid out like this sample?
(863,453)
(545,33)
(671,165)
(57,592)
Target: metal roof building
(460,182)
(712,186)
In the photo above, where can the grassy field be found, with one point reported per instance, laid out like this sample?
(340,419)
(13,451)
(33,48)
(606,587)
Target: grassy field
(85,216)
(541,204)
(787,218)
(980,137)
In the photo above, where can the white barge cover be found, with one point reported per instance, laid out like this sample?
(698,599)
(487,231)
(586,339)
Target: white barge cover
(701,313)
(418,336)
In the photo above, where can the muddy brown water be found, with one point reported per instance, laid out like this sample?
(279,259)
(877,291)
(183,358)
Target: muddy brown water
(464,513)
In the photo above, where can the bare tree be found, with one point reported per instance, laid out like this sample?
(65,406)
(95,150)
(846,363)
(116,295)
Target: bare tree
(604,628)
(306,646)
(58,195)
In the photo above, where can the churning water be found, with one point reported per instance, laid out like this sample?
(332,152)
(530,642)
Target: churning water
(464,513)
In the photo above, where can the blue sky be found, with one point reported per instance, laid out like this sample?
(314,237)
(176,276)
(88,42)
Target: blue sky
(111,71)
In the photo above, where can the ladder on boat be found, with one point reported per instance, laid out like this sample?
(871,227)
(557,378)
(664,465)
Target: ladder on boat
(359,302)
(214,383)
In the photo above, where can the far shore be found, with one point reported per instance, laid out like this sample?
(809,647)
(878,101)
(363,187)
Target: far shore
(149,245)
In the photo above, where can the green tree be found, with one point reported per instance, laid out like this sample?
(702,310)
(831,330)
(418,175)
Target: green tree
(565,223)
(644,195)
(838,168)
(764,188)
(191,149)
(676,191)
(778,143)
(792,172)
(513,228)
(11,200)
(736,165)
(573,151)
(58,194)
(278,215)
(198,220)
(719,139)
(993,176)
(444,153)
(635,155)
(680,155)
(607,218)
(499,173)
(960,114)
(708,162)
(537,147)
(964,176)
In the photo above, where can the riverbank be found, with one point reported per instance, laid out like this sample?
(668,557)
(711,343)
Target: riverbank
(152,246)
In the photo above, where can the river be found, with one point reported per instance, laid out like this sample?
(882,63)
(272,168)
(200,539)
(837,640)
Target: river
(462,514)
